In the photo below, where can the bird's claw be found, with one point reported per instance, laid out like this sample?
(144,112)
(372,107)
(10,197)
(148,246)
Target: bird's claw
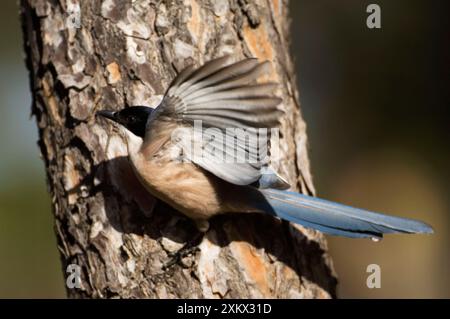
(190,248)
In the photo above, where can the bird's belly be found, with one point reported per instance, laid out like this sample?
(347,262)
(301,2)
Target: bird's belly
(184,186)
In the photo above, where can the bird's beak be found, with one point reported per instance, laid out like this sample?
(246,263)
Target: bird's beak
(107,114)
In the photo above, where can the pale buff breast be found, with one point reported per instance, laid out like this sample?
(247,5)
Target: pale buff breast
(182,185)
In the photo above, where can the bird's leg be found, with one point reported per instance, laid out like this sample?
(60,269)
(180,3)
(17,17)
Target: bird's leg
(190,247)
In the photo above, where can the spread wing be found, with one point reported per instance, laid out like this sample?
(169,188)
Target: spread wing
(228,116)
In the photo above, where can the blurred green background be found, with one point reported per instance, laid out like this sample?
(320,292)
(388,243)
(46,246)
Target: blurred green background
(377,107)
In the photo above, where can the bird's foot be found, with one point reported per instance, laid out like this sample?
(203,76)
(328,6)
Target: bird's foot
(190,248)
(177,258)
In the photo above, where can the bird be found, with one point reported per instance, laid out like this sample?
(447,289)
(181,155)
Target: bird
(184,153)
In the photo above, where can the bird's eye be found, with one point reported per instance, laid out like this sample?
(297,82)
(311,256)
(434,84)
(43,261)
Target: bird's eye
(132,118)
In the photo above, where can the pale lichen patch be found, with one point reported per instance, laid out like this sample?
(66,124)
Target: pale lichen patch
(183,49)
(220,7)
(107,7)
(134,51)
(95,229)
(86,39)
(131,265)
(73,11)
(227,41)
(52,27)
(79,65)
(115,237)
(155,100)
(135,24)
(140,31)
(78,80)
(162,22)
(170,245)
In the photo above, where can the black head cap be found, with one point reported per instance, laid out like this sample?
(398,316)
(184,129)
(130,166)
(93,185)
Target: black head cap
(134,118)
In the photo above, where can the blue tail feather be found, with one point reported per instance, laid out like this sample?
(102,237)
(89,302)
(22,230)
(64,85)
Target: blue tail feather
(337,219)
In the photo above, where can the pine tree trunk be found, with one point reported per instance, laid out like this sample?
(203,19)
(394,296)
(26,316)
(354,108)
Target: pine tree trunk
(87,55)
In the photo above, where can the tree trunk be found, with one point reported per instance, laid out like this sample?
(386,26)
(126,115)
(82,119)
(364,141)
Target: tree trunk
(87,55)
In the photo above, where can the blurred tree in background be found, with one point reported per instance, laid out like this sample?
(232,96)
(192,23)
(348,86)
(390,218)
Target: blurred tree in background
(377,107)
(29,260)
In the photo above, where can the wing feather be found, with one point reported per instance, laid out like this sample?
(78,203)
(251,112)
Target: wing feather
(225,95)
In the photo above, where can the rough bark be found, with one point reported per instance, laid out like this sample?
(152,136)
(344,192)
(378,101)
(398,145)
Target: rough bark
(126,53)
